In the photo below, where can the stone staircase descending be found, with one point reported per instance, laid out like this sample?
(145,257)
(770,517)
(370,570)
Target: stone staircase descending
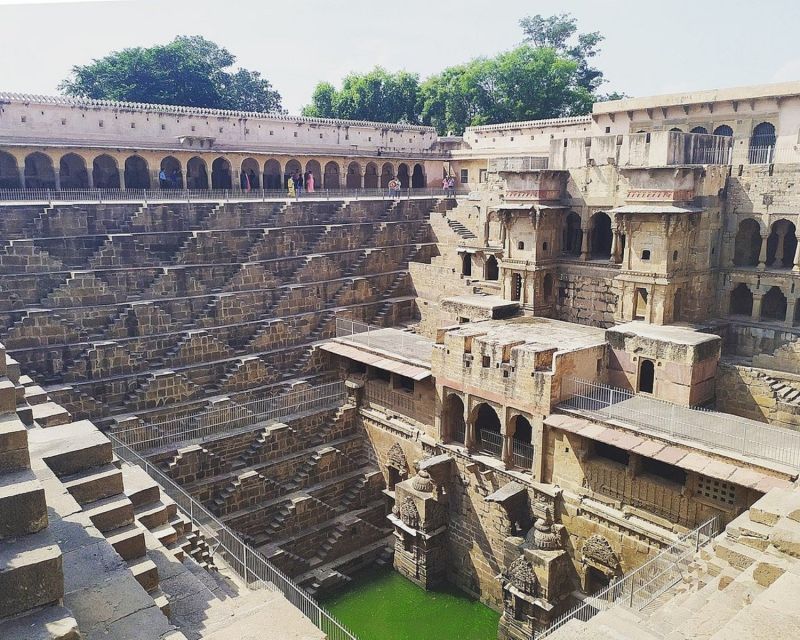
(461,230)
(744,584)
(784,391)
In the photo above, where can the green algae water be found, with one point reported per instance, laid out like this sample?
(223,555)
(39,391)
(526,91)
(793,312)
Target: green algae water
(380,604)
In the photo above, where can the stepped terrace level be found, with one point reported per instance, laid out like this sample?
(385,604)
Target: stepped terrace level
(139,309)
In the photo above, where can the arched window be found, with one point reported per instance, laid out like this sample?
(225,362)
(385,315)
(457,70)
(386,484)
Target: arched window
(781,245)
(647,376)
(291,170)
(773,305)
(9,172)
(723,130)
(250,175)
(522,443)
(196,174)
(418,177)
(741,302)
(747,244)
(137,174)
(313,167)
(105,173)
(678,129)
(466,264)
(72,172)
(371,176)
(547,287)
(573,235)
(402,176)
(172,178)
(762,143)
(487,429)
(387,173)
(455,428)
(601,235)
(39,172)
(221,174)
(520,245)
(272,175)
(353,176)
(699,130)
(331,179)
(491,270)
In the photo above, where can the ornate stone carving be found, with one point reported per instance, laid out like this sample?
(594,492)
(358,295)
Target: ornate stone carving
(422,481)
(396,458)
(521,575)
(599,550)
(409,514)
(543,535)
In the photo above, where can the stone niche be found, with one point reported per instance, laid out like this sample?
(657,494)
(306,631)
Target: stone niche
(672,363)
(420,525)
(536,580)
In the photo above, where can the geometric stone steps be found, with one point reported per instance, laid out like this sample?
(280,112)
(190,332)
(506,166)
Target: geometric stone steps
(51,623)
(108,514)
(30,573)
(94,484)
(23,509)
(14,454)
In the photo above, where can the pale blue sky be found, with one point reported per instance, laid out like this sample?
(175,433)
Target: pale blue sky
(651,47)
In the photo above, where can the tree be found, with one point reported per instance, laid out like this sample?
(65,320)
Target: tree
(190,71)
(377,95)
(557,32)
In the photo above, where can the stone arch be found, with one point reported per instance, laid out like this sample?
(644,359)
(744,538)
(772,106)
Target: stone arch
(773,305)
(547,287)
(396,465)
(353,179)
(273,176)
(723,130)
(455,429)
(196,173)
(250,174)
(72,172)
(491,270)
(418,177)
(699,130)
(741,301)
(647,376)
(781,244)
(105,172)
(313,167)
(487,427)
(403,176)
(9,172)
(409,513)
(171,166)
(572,235)
(221,174)
(598,551)
(466,264)
(600,235)
(292,167)
(522,576)
(747,244)
(520,429)
(516,287)
(39,173)
(137,173)
(331,179)
(762,143)
(387,173)
(371,176)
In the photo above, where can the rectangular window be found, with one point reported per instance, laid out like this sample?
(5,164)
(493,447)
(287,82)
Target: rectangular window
(482,175)
(486,361)
(464,176)
(716,490)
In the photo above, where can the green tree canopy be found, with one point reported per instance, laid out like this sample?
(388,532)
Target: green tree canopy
(377,95)
(189,71)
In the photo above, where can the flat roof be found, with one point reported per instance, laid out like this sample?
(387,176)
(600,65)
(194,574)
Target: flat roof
(402,352)
(678,334)
(544,333)
(481,301)
(751,92)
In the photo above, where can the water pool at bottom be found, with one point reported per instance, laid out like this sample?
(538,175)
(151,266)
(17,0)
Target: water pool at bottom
(380,604)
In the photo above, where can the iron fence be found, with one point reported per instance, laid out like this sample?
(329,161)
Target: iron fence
(367,332)
(51,195)
(255,570)
(381,395)
(720,430)
(229,417)
(521,454)
(643,585)
(491,442)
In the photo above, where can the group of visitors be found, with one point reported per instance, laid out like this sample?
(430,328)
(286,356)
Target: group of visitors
(394,188)
(297,183)
(173,180)
(248,180)
(449,185)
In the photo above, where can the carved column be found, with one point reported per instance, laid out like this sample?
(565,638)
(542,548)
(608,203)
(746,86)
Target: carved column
(22,174)
(791,304)
(505,454)
(469,436)
(584,243)
(57,176)
(796,260)
(762,256)
(756,314)
(615,258)
(778,261)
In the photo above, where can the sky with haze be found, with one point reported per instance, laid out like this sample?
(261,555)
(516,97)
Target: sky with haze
(650,47)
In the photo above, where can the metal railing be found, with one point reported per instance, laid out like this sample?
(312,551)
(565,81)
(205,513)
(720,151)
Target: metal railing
(526,163)
(723,431)
(50,195)
(521,454)
(251,566)
(346,327)
(381,395)
(491,442)
(215,421)
(643,585)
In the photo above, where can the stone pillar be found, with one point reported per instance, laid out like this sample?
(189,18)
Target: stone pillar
(505,454)
(122,177)
(614,245)
(796,260)
(470,439)
(778,261)
(762,256)
(183,176)
(90,174)
(584,243)
(791,303)
(22,174)
(57,176)
(756,314)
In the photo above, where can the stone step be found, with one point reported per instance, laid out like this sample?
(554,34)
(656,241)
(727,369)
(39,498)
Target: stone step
(50,414)
(153,515)
(72,448)
(165,534)
(775,504)
(145,572)
(110,513)
(23,509)
(94,484)
(50,623)
(128,541)
(13,444)
(162,601)
(30,573)
(139,486)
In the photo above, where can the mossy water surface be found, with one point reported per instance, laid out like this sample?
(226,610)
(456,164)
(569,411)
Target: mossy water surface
(380,604)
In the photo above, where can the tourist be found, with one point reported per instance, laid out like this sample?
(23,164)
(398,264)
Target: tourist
(309,182)
(291,187)
(162,178)
(445,184)
(394,188)
(451,186)
(251,176)
(298,183)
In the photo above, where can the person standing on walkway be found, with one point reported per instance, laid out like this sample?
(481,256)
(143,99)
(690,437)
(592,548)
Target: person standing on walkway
(310,182)
(290,186)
